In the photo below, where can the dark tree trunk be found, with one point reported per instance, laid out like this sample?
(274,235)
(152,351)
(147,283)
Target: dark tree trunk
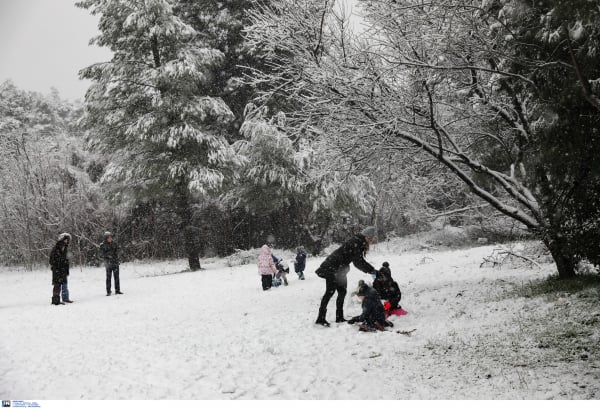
(189,233)
(565,261)
(191,247)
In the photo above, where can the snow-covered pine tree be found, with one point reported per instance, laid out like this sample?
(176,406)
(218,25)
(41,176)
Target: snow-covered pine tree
(222,25)
(440,77)
(304,180)
(152,110)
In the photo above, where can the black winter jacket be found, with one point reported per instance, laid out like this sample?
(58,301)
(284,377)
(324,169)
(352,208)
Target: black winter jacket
(352,251)
(372,309)
(386,286)
(300,263)
(109,252)
(59,263)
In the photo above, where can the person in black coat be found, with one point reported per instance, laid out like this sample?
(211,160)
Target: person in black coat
(109,252)
(335,268)
(59,264)
(387,288)
(373,314)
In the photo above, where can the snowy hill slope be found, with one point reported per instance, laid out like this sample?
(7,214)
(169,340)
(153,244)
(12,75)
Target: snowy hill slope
(214,334)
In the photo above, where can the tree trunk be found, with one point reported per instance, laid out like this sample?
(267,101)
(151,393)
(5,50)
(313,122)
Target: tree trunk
(191,247)
(189,235)
(565,261)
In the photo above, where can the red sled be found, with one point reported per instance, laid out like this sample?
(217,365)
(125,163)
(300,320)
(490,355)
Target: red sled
(395,312)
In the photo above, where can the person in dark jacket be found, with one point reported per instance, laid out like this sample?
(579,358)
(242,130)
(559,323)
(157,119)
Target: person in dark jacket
(373,314)
(59,264)
(109,252)
(300,262)
(335,268)
(387,288)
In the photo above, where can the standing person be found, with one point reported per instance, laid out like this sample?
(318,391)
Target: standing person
(109,252)
(300,262)
(335,268)
(266,267)
(59,264)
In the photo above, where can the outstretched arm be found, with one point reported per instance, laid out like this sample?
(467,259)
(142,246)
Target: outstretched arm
(364,266)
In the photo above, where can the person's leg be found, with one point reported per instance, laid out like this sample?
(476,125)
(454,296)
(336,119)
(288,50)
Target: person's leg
(108,280)
(117,281)
(395,301)
(330,287)
(263,280)
(65,291)
(341,285)
(56,294)
(341,288)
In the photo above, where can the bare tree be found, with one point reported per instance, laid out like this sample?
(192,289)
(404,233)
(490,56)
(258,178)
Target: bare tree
(432,76)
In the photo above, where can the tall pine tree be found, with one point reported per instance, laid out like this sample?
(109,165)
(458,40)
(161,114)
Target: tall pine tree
(152,108)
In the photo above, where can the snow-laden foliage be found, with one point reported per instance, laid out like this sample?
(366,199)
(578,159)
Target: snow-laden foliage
(153,110)
(45,176)
(281,174)
(148,107)
(440,77)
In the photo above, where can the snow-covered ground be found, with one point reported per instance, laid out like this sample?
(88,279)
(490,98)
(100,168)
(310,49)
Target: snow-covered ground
(214,334)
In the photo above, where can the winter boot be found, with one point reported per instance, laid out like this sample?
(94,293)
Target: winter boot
(321,318)
(118,292)
(339,316)
(363,327)
(301,277)
(56,300)
(67,301)
(108,293)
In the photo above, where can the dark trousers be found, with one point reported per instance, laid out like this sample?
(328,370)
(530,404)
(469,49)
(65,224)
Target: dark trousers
(337,282)
(110,271)
(56,294)
(267,281)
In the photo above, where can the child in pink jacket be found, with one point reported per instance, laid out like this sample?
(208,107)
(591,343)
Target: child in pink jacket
(266,267)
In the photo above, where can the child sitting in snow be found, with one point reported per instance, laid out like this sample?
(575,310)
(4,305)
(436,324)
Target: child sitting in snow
(387,288)
(282,270)
(373,315)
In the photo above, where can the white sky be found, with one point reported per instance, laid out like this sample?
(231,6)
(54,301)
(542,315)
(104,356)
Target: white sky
(44,43)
